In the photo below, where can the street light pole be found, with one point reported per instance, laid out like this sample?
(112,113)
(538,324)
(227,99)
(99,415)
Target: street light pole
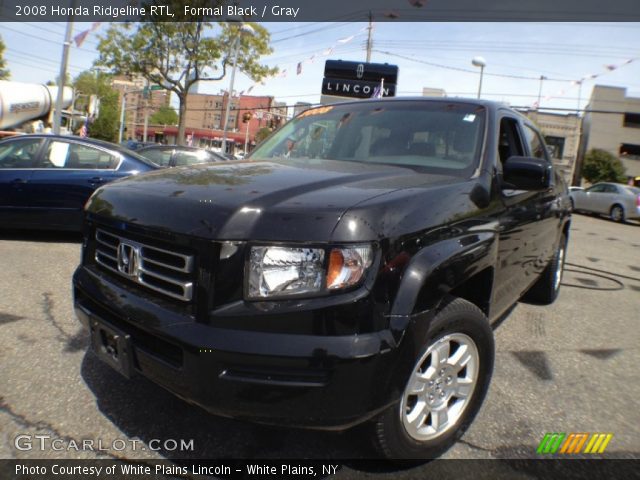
(122,107)
(479,62)
(246,137)
(236,48)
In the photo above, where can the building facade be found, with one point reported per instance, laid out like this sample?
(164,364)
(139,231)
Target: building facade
(204,120)
(612,123)
(562,135)
(137,104)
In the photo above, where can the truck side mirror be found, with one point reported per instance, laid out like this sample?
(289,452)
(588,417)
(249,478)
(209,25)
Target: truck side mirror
(526,173)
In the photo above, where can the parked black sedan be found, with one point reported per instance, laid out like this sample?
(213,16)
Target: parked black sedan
(175,156)
(45,180)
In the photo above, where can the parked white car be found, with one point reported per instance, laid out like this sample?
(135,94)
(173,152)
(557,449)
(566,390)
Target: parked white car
(619,202)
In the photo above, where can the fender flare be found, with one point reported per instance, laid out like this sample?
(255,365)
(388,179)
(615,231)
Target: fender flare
(454,258)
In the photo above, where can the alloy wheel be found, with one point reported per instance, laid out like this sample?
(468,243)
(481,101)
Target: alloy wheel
(440,387)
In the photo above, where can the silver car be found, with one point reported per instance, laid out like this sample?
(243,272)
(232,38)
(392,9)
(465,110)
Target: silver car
(620,202)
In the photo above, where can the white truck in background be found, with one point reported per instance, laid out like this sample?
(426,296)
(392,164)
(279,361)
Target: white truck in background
(29,108)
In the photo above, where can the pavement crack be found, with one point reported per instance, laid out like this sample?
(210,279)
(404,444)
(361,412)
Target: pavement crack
(43,426)
(74,342)
(475,447)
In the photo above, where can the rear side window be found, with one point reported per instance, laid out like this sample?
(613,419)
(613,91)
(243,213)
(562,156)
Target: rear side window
(20,153)
(76,156)
(159,157)
(537,147)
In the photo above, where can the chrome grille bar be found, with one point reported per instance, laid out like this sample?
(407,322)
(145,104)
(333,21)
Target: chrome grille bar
(158,269)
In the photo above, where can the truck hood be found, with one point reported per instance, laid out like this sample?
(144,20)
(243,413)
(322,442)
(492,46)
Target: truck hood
(301,200)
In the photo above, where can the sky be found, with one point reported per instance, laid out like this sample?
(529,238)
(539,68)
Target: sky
(434,55)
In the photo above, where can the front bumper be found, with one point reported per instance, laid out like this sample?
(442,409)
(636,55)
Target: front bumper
(326,382)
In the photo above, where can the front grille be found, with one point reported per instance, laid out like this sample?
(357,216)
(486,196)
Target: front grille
(164,271)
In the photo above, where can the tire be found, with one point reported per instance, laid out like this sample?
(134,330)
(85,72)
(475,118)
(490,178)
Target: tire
(461,335)
(547,287)
(617,214)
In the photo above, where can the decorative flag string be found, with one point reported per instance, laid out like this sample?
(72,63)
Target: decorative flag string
(299,66)
(607,69)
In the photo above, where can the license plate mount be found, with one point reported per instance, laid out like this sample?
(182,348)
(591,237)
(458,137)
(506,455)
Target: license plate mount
(112,346)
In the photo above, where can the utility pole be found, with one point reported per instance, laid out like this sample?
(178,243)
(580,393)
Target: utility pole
(57,114)
(579,97)
(542,78)
(369,37)
(146,111)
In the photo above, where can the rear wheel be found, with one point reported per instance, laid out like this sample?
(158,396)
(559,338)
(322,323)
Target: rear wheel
(617,213)
(446,387)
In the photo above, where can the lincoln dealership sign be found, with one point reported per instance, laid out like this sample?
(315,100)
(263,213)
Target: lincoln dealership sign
(359,79)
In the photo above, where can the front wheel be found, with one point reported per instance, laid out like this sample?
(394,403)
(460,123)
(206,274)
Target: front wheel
(445,389)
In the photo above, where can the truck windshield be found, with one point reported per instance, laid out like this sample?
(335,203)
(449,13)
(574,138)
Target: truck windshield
(443,137)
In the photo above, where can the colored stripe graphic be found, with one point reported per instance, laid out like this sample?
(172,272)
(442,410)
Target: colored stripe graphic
(581,442)
(572,443)
(550,443)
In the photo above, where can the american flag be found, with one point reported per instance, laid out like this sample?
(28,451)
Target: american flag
(379,90)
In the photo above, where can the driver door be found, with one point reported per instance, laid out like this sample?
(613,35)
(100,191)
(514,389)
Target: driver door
(17,159)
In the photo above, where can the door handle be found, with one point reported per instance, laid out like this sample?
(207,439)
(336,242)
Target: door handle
(18,181)
(96,180)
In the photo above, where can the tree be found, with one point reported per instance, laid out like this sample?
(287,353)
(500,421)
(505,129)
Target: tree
(4,72)
(177,54)
(602,166)
(164,116)
(261,134)
(88,83)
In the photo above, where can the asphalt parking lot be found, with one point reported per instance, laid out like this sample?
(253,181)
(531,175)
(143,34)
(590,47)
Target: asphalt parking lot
(569,367)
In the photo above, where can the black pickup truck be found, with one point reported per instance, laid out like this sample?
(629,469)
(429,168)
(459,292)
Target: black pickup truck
(346,273)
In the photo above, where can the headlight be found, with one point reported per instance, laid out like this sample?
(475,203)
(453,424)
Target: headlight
(284,271)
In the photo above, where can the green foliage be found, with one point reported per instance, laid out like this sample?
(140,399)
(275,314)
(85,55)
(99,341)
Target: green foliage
(263,133)
(164,116)
(89,83)
(4,72)
(178,54)
(601,166)
(105,127)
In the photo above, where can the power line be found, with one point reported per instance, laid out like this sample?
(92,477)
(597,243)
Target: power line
(48,40)
(466,70)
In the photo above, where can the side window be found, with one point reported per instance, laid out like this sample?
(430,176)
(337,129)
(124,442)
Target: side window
(75,156)
(509,141)
(537,147)
(610,189)
(596,189)
(20,153)
(159,157)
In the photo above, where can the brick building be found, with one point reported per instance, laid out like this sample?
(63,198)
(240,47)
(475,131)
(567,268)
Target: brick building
(205,120)
(136,104)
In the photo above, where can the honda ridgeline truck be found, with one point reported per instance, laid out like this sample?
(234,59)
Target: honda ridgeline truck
(347,272)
